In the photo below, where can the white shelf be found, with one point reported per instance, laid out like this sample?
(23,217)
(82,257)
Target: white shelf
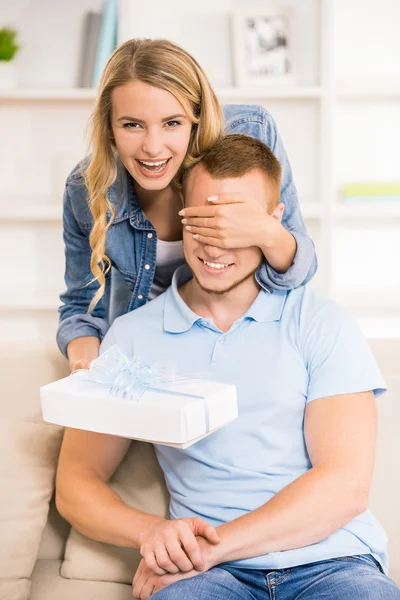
(265,92)
(32,213)
(224,94)
(53,214)
(48,94)
(368,210)
(345,88)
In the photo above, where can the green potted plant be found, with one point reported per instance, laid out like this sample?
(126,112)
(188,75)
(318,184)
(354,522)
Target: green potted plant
(8,49)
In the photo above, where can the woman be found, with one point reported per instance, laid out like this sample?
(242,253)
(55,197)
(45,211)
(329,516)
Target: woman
(155,114)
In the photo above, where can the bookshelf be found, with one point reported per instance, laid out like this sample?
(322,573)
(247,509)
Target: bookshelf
(224,93)
(44,129)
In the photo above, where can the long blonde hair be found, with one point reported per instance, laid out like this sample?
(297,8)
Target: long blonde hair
(164,65)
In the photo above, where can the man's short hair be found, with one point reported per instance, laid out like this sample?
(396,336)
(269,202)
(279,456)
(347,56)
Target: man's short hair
(236,155)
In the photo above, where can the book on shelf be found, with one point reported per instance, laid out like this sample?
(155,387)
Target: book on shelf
(374,192)
(107,39)
(90,40)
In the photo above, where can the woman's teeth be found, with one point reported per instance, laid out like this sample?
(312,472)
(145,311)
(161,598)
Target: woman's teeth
(215,265)
(153,167)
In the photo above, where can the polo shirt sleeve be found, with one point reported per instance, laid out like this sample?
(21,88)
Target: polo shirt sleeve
(120,333)
(338,357)
(108,340)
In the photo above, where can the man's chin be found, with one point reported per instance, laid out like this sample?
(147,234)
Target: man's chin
(227,287)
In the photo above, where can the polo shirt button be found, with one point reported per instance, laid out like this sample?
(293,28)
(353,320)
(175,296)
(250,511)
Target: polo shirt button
(140,296)
(147,267)
(222,340)
(149,235)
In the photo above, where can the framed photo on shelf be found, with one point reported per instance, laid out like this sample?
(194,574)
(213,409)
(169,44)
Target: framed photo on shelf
(263,41)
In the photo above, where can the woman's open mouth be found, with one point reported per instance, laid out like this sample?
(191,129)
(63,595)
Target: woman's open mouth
(153,168)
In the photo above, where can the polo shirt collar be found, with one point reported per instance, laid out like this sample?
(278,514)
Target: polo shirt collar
(178,317)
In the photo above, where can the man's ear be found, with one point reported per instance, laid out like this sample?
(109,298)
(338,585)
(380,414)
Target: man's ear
(277,213)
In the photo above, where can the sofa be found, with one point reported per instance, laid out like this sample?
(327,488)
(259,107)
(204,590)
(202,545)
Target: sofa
(43,558)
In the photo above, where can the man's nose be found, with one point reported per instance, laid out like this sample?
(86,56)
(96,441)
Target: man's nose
(152,144)
(214,251)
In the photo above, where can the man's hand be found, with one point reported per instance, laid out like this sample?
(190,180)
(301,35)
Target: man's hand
(146,582)
(232,220)
(171,546)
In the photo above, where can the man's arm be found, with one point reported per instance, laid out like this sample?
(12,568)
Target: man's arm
(340,433)
(83,496)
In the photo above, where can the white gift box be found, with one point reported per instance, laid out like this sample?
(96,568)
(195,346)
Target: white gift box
(179,415)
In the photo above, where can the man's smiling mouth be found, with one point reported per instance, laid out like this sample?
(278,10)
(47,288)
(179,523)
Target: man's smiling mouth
(216,265)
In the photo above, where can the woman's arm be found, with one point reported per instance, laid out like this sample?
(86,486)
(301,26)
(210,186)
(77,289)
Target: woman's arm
(304,263)
(236,221)
(81,351)
(75,322)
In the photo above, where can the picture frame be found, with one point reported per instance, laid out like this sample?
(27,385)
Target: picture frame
(263,46)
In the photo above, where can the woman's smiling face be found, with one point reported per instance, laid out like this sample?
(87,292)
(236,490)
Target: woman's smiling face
(151,131)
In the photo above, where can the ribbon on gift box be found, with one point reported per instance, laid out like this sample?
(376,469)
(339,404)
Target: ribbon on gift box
(130,378)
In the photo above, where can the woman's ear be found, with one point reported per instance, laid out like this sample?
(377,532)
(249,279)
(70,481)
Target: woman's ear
(277,213)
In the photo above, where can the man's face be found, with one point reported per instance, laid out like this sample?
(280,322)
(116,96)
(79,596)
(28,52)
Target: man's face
(218,270)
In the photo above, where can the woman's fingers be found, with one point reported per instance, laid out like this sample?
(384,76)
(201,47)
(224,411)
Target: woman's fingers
(200,221)
(229,198)
(213,207)
(204,212)
(205,232)
(211,241)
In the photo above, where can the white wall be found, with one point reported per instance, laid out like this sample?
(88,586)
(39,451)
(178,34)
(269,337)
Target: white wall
(367,132)
(50,36)
(45,139)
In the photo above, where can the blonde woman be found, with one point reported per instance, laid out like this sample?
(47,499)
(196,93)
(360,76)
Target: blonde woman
(155,115)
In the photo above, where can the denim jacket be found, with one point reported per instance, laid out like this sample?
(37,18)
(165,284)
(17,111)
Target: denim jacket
(131,242)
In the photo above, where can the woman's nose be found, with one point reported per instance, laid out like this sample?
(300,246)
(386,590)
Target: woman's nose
(152,145)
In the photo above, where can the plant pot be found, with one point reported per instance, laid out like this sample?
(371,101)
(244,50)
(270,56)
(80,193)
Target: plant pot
(8,75)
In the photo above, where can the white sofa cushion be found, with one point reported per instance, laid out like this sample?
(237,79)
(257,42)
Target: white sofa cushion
(47,584)
(28,458)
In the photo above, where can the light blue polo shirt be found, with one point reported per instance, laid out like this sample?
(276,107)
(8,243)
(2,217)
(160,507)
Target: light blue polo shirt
(289,349)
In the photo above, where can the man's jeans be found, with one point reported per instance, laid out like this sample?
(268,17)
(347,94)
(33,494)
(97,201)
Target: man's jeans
(352,577)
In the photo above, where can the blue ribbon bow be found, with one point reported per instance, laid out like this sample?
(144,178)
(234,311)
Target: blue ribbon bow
(129,378)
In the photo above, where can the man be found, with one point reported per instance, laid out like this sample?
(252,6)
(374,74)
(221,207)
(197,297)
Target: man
(275,502)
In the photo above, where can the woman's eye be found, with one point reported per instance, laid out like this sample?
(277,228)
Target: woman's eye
(173,123)
(131,125)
